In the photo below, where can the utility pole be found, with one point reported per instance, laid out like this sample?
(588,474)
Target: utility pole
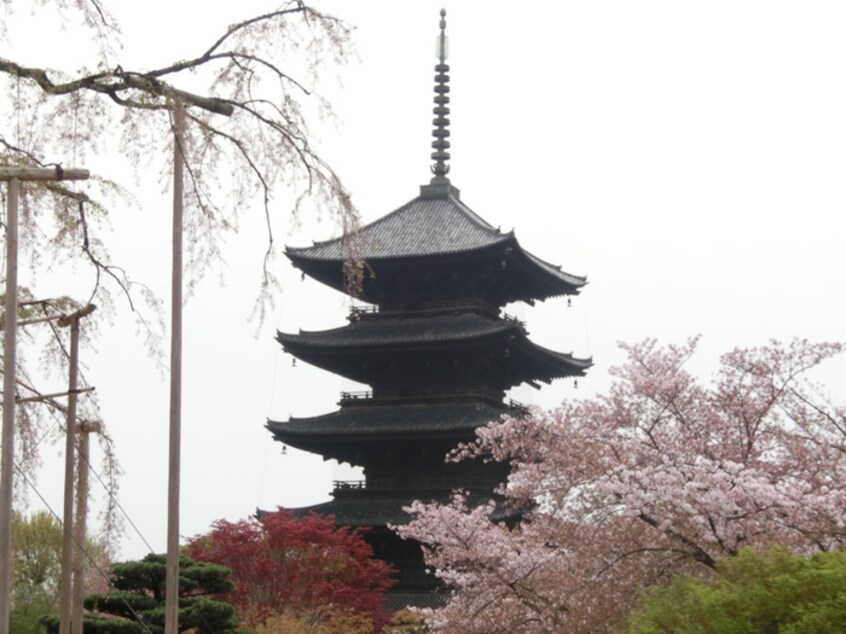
(79,527)
(172,564)
(14,176)
(65,592)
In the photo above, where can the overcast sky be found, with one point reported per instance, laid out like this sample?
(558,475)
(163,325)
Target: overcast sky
(688,157)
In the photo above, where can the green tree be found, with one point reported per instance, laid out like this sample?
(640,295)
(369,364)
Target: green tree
(137,604)
(768,592)
(36,568)
(36,558)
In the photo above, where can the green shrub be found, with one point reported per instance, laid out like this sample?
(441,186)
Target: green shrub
(769,592)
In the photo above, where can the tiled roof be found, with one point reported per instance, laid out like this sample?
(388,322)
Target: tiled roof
(422,418)
(403,330)
(424,226)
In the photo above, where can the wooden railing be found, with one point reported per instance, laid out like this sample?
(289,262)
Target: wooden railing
(368,396)
(346,397)
(443,306)
(517,409)
(391,396)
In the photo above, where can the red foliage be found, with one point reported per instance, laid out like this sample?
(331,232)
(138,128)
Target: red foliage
(281,563)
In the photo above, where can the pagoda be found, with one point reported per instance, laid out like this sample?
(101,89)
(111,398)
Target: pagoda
(435,348)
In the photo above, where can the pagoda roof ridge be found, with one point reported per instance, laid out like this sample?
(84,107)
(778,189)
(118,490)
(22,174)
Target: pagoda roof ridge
(481,221)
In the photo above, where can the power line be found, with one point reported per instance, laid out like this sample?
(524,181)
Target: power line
(87,555)
(58,423)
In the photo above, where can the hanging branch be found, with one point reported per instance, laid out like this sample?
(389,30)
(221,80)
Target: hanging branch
(267,135)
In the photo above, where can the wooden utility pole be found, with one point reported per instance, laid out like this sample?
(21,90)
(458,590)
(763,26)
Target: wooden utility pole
(79,527)
(10,327)
(172,564)
(65,592)
(14,175)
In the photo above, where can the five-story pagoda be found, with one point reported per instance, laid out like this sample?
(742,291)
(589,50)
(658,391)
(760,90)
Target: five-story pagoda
(435,348)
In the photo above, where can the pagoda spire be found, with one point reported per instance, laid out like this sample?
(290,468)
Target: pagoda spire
(440,186)
(441,132)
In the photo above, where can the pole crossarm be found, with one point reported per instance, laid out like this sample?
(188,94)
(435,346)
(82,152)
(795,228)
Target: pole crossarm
(39,320)
(67,320)
(212,104)
(57,173)
(64,320)
(43,397)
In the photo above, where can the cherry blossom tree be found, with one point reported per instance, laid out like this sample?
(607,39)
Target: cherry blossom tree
(662,476)
(249,97)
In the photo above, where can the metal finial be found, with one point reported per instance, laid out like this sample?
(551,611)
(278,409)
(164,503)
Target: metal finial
(443,44)
(440,145)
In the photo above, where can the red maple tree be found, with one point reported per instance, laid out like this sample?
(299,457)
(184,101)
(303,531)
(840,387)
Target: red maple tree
(283,564)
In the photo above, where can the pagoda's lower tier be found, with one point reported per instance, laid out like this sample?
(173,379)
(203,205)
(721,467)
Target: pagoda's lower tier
(402,446)
(416,585)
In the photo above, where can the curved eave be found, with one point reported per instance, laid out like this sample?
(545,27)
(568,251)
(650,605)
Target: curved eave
(331,271)
(343,447)
(558,365)
(309,345)
(369,423)
(385,334)
(549,279)
(517,359)
(558,282)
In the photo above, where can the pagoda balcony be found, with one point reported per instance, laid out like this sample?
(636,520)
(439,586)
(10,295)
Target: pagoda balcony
(393,397)
(440,307)
(404,486)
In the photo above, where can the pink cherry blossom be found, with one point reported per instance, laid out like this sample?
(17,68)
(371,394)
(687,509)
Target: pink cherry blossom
(662,476)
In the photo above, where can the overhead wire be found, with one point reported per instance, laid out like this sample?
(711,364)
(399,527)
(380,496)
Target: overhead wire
(92,562)
(87,555)
(61,426)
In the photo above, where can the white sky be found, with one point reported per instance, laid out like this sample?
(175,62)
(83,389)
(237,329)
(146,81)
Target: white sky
(688,157)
